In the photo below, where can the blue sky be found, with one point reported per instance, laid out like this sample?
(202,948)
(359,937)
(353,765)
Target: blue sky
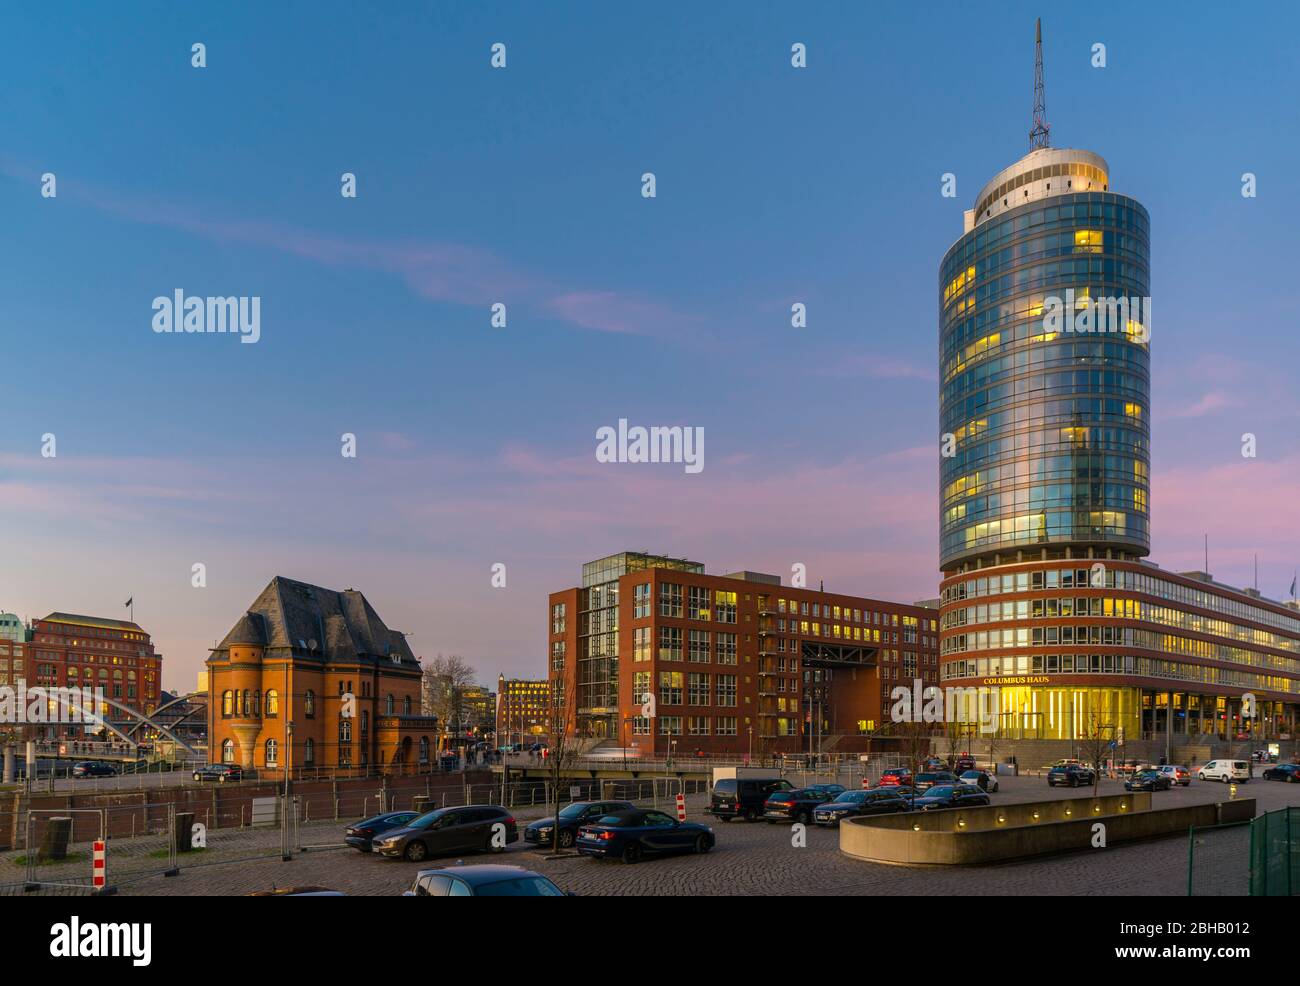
(522,186)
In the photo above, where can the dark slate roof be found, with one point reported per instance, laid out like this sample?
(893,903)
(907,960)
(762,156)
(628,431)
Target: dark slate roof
(249,630)
(290,615)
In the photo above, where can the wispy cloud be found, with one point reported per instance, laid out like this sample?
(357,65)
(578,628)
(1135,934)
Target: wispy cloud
(439,271)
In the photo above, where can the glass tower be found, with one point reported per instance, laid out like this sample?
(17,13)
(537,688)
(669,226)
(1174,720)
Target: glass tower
(1044,363)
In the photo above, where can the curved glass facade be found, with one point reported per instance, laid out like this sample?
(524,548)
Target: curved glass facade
(1049,418)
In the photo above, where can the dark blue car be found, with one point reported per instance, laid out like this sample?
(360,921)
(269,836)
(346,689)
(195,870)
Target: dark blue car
(361,835)
(572,818)
(640,832)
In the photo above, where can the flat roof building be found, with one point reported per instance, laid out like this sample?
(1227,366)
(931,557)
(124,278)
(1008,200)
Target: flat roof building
(736,664)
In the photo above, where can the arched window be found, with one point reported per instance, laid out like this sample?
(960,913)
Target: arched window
(272,753)
(247,703)
(309,704)
(406,706)
(309,752)
(424,749)
(228,751)
(388,710)
(345,730)
(227,704)
(257,702)
(365,721)
(272,703)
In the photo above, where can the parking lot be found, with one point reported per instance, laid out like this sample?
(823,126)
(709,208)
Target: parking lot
(761,858)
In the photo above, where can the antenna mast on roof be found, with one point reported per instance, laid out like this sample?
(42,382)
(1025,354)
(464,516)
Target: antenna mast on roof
(1038,137)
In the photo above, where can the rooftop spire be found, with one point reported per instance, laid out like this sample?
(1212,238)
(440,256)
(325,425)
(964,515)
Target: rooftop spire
(1038,137)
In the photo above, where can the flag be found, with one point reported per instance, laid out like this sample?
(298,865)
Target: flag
(1292,586)
(128,602)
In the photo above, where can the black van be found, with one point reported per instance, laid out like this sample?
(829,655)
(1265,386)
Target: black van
(744,796)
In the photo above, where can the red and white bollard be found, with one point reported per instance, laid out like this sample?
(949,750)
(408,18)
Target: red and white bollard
(865,783)
(681,807)
(99,870)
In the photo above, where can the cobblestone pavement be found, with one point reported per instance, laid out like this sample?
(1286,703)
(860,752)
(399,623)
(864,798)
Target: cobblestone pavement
(759,858)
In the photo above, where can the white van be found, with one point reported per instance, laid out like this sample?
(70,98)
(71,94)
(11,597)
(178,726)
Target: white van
(1224,770)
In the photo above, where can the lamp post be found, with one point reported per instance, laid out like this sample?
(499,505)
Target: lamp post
(288,759)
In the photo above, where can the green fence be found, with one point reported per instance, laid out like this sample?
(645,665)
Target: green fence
(1275,854)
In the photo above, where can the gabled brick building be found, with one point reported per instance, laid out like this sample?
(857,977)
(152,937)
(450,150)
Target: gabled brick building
(311,678)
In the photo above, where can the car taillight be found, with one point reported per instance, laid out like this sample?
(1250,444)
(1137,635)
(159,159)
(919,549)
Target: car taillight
(365,831)
(508,820)
(605,835)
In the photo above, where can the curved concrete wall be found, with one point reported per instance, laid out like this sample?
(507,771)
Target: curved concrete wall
(1002,832)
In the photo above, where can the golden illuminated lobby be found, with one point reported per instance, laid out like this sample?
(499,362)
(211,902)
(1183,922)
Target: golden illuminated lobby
(1076,646)
(1044,487)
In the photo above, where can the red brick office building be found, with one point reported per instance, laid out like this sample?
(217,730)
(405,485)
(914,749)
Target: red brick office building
(117,656)
(737,664)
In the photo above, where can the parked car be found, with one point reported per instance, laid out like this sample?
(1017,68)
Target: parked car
(831,789)
(895,775)
(1263,756)
(981,779)
(1224,770)
(485,880)
(963,763)
(952,796)
(1289,772)
(1148,780)
(361,835)
(933,763)
(794,806)
(572,817)
(634,834)
(928,780)
(448,830)
(93,768)
(1071,775)
(743,797)
(851,804)
(1177,775)
(220,772)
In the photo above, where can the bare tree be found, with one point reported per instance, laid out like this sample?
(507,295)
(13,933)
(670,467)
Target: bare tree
(561,753)
(1095,743)
(442,689)
(916,737)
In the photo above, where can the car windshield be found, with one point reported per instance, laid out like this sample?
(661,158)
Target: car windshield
(852,797)
(616,821)
(944,791)
(524,886)
(574,810)
(424,821)
(971,773)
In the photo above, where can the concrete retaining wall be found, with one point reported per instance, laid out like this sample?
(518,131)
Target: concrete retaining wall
(1001,832)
